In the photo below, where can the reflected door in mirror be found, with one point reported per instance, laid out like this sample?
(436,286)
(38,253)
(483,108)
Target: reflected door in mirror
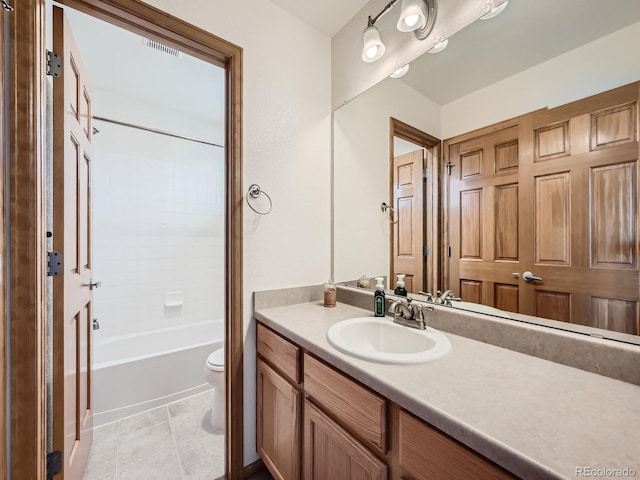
(554,194)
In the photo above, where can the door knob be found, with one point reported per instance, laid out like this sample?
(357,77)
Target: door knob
(96,324)
(530,277)
(92,284)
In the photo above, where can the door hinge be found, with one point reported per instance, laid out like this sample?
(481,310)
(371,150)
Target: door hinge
(449,251)
(6,6)
(425,250)
(449,166)
(54,264)
(54,64)
(54,464)
(425,172)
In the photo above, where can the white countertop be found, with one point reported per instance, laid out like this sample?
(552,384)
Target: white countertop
(536,418)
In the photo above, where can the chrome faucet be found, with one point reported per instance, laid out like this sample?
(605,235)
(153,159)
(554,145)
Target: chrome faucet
(441,298)
(447,297)
(409,314)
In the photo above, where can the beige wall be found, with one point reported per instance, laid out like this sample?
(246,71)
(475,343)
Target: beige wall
(361,173)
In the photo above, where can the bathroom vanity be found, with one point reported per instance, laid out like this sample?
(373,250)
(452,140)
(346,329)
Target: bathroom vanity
(480,412)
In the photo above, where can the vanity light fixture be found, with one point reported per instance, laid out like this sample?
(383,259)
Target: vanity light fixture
(411,16)
(417,16)
(400,72)
(373,47)
(496,9)
(440,46)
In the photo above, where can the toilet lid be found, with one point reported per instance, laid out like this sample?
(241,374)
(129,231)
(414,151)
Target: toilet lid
(215,360)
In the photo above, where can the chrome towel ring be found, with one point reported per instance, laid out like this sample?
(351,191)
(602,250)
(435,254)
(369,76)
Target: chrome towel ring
(384,207)
(254,192)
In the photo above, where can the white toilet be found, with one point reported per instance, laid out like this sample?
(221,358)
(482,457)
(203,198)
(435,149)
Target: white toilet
(214,374)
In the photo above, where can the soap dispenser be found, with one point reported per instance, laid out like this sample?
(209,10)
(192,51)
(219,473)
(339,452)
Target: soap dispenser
(378,298)
(400,290)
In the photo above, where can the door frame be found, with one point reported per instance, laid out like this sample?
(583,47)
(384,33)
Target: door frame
(26,285)
(431,196)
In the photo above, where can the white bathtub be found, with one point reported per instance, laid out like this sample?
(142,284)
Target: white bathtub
(134,373)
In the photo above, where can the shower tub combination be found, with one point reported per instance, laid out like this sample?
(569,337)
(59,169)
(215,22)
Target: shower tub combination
(134,373)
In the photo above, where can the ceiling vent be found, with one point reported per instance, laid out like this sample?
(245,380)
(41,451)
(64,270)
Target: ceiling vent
(161,47)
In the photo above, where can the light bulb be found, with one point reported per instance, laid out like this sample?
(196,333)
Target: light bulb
(411,20)
(372,48)
(371,51)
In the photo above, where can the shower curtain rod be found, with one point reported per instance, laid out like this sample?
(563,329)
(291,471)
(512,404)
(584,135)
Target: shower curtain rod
(153,130)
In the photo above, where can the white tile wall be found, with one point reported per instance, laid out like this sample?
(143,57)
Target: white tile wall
(158,227)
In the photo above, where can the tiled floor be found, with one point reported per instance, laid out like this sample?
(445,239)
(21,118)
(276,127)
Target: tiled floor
(174,442)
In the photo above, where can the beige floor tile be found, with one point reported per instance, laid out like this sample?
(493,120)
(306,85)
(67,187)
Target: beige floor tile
(159,467)
(144,420)
(191,418)
(202,458)
(137,446)
(103,454)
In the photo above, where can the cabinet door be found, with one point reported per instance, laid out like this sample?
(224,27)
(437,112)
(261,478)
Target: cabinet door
(426,453)
(330,453)
(278,424)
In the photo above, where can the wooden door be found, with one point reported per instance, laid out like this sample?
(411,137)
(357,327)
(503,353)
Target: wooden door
(556,195)
(278,423)
(330,453)
(484,219)
(72,315)
(408,232)
(583,203)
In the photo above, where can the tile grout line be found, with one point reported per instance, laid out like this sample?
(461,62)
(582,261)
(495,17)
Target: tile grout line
(175,443)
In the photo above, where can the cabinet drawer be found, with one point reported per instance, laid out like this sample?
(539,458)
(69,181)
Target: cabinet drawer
(427,453)
(280,353)
(361,411)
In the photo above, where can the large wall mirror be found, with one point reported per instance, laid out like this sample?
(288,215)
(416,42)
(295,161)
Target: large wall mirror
(397,209)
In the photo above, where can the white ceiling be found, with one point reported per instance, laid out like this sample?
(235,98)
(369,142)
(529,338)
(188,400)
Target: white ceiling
(120,63)
(327,16)
(525,34)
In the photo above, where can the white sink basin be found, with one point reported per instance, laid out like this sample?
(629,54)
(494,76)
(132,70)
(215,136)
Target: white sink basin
(378,339)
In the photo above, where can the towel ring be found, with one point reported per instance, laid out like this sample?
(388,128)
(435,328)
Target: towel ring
(384,207)
(254,192)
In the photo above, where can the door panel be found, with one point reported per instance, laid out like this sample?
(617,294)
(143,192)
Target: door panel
(408,232)
(569,213)
(330,452)
(552,219)
(72,302)
(506,224)
(613,221)
(484,216)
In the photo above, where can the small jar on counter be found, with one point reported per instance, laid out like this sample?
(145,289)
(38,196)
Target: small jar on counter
(364,282)
(330,294)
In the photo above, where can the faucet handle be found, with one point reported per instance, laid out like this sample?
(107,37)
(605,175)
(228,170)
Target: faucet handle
(428,295)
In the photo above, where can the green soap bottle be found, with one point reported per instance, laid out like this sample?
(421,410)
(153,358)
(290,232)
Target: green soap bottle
(400,290)
(378,298)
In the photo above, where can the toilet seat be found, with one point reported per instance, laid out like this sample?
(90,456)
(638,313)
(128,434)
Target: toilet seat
(215,360)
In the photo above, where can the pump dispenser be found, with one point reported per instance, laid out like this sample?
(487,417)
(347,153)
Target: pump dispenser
(378,298)
(400,290)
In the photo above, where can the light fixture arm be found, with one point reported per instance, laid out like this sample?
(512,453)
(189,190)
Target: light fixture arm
(429,7)
(384,11)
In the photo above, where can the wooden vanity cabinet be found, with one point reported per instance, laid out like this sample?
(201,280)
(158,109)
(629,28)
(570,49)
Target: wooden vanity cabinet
(279,402)
(342,430)
(425,453)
